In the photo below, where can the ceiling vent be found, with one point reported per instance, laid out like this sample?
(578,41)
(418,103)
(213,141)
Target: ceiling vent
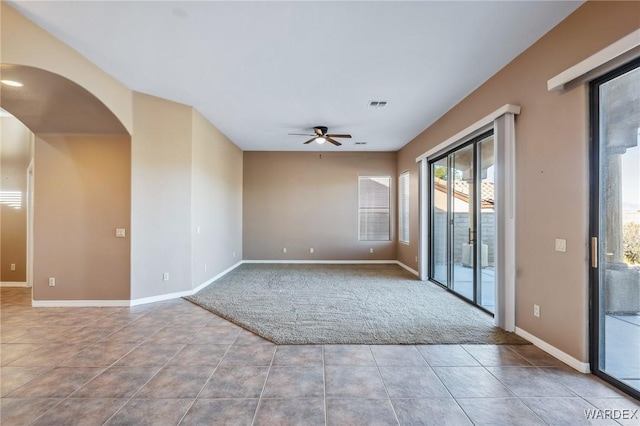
(377,104)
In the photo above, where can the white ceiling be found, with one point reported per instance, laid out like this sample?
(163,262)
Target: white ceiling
(260,70)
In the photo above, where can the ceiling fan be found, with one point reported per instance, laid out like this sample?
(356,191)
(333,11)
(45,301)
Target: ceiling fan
(321,136)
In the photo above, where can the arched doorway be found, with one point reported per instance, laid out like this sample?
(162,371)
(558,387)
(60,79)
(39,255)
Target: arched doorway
(81,165)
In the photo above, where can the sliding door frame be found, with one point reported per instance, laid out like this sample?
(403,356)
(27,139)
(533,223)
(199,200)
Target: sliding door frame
(502,121)
(595,317)
(474,211)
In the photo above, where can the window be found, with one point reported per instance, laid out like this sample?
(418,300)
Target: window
(373,208)
(403,208)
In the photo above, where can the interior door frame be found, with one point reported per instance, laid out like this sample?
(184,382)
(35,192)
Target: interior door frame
(595,317)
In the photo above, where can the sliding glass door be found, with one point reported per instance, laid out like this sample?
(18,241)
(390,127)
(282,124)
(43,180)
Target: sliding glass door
(615,227)
(462,225)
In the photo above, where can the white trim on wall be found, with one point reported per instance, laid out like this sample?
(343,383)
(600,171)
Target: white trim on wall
(502,121)
(78,303)
(159,298)
(413,271)
(572,362)
(609,53)
(471,130)
(177,295)
(14,284)
(327,262)
(220,275)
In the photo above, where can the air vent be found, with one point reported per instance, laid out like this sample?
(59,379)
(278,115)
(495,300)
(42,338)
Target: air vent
(361,143)
(377,104)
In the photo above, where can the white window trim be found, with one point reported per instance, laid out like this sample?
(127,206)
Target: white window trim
(503,123)
(401,210)
(615,50)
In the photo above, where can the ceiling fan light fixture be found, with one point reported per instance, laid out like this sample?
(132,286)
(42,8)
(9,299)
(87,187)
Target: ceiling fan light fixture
(320,140)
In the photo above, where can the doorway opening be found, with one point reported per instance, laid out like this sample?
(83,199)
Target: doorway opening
(463,221)
(615,227)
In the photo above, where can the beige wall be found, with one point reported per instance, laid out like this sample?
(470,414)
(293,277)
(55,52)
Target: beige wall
(216,202)
(552,169)
(81,195)
(185,175)
(161,197)
(15,155)
(178,164)
(25,43)
(299,201)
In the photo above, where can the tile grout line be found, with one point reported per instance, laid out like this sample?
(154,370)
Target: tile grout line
(445,386)
(152,376)
(208,378)
(264,385)
(85,383)
(324,385)
(384,385)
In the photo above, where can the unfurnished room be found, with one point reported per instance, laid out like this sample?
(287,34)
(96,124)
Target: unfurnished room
(319,212)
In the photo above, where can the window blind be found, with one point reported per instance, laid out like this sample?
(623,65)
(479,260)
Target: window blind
(373,208)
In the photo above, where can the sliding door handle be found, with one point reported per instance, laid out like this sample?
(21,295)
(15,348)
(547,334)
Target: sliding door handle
(594,252)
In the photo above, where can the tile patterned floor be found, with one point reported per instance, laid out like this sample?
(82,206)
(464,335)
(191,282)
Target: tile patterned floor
(174,363)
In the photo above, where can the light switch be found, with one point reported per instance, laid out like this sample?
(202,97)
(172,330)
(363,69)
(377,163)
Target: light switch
(561,245)
(121,233)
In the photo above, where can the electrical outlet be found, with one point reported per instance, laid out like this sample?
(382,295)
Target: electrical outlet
(284,249)
(536,311)
(165,276)
(234,254)
(311,250)
(416,259)
(13,266)
(371,250)
(52,282)
(205,267)
(121,233)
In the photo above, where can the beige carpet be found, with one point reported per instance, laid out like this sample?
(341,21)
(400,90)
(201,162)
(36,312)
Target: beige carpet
(346,304)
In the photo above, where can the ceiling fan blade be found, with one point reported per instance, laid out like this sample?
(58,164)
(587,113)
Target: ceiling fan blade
(310,140)
(339,136)
(336,143)
(299,134)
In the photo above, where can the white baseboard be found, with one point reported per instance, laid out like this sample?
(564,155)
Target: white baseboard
(582,367)
(177,295)
(413,271)
(339,262)
(327,262)
(78,303)
(13,284)
(220,275)
(159,298)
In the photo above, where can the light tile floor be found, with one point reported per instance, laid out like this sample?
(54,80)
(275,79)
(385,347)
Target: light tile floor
(175,363)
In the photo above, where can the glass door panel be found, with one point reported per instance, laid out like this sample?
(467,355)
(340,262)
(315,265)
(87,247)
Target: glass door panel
(616,227)
(439,221)
(462,196)
(486,227)
(462,214)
